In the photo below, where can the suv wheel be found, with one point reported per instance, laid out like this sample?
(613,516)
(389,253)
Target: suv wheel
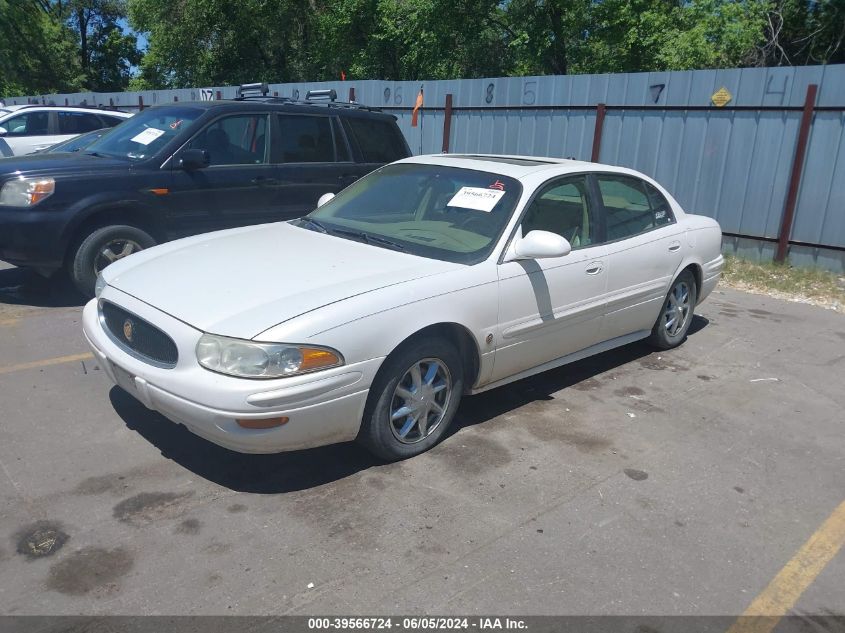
(104,246)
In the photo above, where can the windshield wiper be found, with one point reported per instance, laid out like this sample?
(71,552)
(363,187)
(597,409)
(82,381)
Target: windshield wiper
(319,225)
(370,239)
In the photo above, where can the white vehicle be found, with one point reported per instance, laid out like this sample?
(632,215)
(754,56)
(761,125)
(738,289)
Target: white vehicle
(30,128)
(368,319)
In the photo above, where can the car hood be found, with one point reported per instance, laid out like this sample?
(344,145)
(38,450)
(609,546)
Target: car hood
(241,282)
(58,165)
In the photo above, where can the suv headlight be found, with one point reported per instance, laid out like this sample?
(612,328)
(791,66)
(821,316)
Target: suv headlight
(26,192)
(249,359)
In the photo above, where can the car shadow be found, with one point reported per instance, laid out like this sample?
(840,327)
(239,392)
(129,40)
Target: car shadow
(301,470)
(21,286)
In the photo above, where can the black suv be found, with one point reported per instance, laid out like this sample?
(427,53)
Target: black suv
(180,169)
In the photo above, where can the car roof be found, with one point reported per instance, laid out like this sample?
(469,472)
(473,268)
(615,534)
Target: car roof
(92,109)
(512,165)
(284,105)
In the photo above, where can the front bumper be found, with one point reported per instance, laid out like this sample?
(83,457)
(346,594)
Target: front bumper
(324,407)
(32,237)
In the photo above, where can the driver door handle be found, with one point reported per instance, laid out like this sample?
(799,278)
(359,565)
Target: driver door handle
(674,247)
(264,180)
(594,268)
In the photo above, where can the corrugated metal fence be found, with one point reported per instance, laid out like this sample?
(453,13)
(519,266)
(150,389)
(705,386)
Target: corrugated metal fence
(733,163)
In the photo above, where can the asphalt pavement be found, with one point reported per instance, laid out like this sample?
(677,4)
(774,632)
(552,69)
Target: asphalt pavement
(634,482)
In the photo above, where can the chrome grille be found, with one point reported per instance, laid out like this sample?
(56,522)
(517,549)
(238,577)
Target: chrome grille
(137,336)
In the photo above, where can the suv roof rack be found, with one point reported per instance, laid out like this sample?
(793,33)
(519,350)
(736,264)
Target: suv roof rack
(259,91)
(260,87)
(330,94)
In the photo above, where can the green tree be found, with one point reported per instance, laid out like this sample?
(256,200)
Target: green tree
(106,53)
(36,51)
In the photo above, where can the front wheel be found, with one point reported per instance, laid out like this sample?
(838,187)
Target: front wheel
(104,246)
(413,399)
(677,312)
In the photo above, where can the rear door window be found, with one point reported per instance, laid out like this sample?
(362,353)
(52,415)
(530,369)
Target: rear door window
(78,122)
(110,121)
(631,206)
(378,140)
(306,139)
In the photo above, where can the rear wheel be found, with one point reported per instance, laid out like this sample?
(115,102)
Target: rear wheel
(675,317)
(104,246)
(413,399)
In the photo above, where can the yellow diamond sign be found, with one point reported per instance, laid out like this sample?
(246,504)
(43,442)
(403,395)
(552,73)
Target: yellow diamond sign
(721,97)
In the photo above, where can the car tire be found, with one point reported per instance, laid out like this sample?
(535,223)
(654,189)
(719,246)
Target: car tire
(428,369)
(105,245)
(676,315)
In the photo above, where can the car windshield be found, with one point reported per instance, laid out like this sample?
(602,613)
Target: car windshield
(76,143)
(433,211)
(145,133)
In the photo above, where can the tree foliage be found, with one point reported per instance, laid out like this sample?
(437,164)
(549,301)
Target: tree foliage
(64,45)
(49,46)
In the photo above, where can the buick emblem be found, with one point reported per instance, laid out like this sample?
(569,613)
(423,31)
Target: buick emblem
(128,330)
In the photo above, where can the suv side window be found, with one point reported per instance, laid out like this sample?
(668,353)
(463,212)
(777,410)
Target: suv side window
(78,122)
(306,139)
(239,139)
(377,140)
(629,208)
(28,124)
(562,207)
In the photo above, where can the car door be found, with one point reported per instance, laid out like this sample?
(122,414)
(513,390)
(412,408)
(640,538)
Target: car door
(549,308)
(312,159)
(239,186)
(28,131)
(644,249)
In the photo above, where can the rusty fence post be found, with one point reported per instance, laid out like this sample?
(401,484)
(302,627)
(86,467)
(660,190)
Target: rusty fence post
(140,102)
(219,95)
(447,124)
(351,94)
(795,176)
(597,132)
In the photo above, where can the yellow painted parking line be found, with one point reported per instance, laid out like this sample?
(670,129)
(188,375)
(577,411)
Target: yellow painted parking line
(764,613)
(45,363)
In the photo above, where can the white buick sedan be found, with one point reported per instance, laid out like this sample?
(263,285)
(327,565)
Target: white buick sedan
(369,318)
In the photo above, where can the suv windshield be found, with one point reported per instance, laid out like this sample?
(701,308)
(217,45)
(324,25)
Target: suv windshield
(145,133)
(433,211)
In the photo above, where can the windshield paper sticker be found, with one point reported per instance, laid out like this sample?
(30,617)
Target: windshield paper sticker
(147,136)
(476,198)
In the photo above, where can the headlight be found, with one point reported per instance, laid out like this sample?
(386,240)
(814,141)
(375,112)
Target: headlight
(248,359)
(26,192)
(99,286)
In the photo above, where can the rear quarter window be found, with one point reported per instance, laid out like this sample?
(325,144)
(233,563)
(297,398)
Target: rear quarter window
(380,141)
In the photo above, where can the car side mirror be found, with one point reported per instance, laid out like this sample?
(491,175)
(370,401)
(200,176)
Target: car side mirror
(324,199)
(194,159)
(540,245)
(3,131)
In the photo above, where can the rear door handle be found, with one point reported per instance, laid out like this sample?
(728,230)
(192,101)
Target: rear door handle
(264,180)
(674,247)
(594,268)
